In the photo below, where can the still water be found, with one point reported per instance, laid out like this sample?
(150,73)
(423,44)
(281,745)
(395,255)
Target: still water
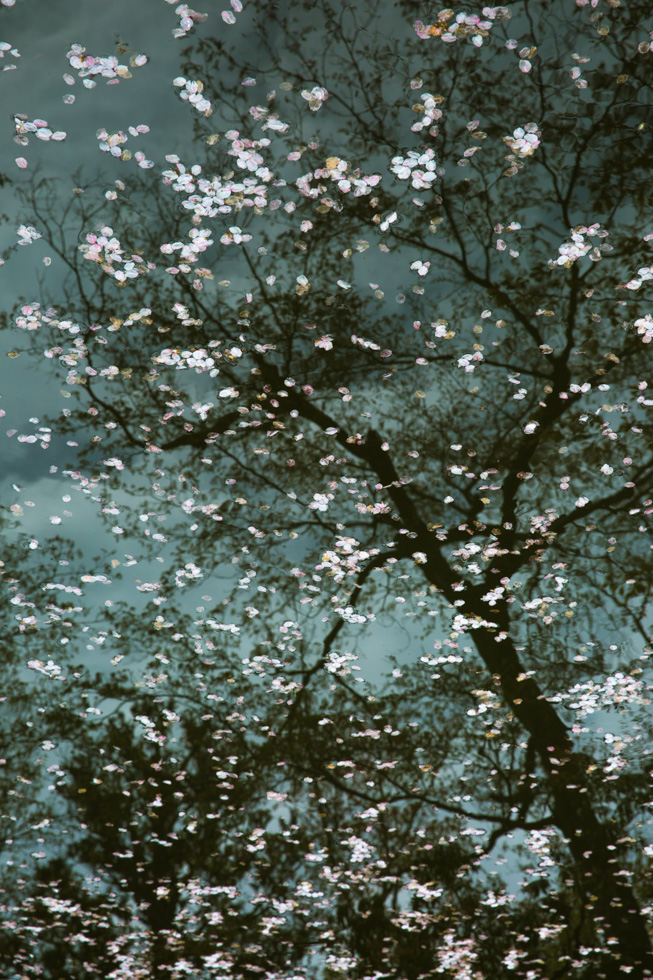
(327,482)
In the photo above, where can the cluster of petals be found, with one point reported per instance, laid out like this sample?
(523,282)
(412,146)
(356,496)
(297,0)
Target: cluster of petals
(191,91)
(337,170)
(105,249)
(50,669)
(325,342)
(268,119)
(421,268)
(183,313)
(189,572)
(142,161)
(228,16)
(208,197)
(431,114)
(5,46)
(200,359)
(524,140)
(110,68)
(200,239)
(247,154)
(644,326)
(187,19)
(468,362)
(112,142)
(590,696)
(348,180)
(450,27)
(235,236)
(321,501)
(419,167)
(577,246)
(347,557)
(462,623)
(181,179)
(643,274)
(37,127)
(32,316)
(27,234)
(365,344)
(143,314)
(316,97)
(576,73)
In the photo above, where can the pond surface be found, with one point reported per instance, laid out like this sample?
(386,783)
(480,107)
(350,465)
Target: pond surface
(327,483)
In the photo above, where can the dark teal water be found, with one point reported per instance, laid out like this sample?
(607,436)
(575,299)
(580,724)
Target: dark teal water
(327,485)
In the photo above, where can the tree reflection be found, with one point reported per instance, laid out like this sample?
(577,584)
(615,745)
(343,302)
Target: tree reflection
(466,462)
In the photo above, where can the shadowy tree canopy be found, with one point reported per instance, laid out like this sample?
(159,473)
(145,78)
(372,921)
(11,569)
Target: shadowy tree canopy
(352,678)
